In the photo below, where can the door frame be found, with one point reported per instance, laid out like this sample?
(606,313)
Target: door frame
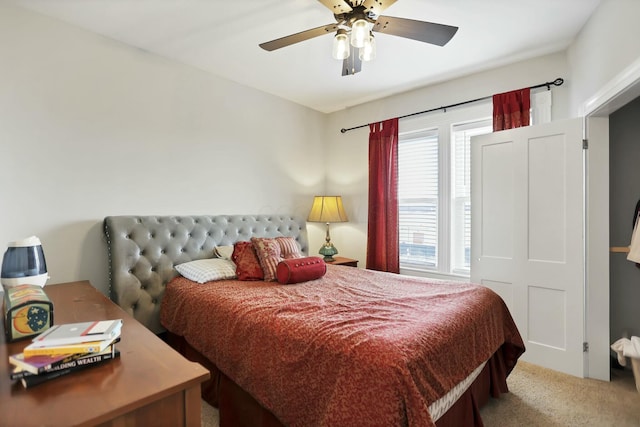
(622,89)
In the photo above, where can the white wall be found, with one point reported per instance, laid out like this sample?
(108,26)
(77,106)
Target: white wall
(605,47)
(605,53)
(347,154)
(98,128)
(90,127)
(604,61)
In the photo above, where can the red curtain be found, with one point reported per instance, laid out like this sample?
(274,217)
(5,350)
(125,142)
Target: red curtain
(511,109)
(383,251)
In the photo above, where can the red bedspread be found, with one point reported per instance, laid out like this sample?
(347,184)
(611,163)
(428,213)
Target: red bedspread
(357,347)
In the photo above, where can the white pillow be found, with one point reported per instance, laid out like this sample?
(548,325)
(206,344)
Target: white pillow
(206,270)
(223,252)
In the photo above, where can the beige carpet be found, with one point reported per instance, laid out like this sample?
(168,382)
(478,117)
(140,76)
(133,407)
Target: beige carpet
(209,415)
(542,397)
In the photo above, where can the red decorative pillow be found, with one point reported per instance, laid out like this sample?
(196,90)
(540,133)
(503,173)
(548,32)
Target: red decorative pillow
(296,270)
(247,263)
(268,252)
(289,247)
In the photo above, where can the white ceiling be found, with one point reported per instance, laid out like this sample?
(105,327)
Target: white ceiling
(222,37)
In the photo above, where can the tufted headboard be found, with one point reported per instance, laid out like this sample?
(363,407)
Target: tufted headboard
(144,249)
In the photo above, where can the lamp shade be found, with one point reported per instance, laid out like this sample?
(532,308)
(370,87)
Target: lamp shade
(368,51)
(327,209)
(359,32)
(341,45)
(24,264)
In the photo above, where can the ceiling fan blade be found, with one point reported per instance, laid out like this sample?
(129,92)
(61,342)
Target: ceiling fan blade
(298,37)
(428,32)
(352,64)
(337,7)
(377,6)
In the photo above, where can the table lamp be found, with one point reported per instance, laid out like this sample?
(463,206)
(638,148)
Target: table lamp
(24,264)
(327,209)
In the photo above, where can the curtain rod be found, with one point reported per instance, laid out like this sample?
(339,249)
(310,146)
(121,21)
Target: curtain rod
(556,82)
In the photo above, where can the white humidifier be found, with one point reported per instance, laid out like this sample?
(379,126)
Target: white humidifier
(24,264)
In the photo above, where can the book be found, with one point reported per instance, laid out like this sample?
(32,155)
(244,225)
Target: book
(39,364)
(34,349)
(29,381)
(36,365)
(74,333)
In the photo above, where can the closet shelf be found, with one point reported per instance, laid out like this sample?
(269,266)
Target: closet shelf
(623,249)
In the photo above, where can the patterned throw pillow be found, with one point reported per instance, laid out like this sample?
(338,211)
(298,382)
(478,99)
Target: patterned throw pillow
(269,255)
(247,264)
(206,270)
(289,247)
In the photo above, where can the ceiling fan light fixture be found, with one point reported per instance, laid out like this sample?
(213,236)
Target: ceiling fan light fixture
(359,32)
(368,51)
(355,22)
(341,45)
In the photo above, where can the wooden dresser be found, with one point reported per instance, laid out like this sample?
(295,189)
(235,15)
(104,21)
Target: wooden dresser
(150,384)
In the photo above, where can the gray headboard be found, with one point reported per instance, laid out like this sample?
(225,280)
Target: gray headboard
(144,249)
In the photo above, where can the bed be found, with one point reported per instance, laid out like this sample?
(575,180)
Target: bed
(351,347)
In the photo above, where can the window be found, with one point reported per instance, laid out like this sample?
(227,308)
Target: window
(434,194)
(461,192)
(418,198)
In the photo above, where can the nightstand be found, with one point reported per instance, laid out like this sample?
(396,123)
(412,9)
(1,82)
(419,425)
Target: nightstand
(343,261)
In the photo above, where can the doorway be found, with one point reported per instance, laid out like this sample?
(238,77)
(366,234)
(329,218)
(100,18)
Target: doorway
(624,193)
(619,92)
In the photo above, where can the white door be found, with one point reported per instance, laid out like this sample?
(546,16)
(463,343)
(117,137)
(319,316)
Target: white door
(527,235)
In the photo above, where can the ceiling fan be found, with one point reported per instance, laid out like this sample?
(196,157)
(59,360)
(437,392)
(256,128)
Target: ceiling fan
(357,20)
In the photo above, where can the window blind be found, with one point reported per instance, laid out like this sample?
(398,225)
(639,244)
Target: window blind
(418,198)
(461,192)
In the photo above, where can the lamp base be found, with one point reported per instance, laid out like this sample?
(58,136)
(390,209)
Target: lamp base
(328,250)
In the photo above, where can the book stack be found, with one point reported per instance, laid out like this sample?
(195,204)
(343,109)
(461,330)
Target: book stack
(64,349)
